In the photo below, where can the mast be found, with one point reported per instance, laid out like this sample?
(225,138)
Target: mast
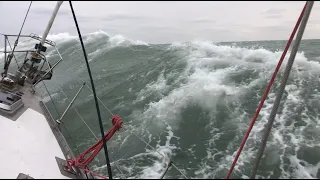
(46,32)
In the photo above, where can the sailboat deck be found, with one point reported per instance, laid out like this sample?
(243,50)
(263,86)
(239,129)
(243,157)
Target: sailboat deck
(28,146)
(30,141)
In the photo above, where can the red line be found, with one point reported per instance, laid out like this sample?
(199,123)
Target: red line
(95,174)
(266,92)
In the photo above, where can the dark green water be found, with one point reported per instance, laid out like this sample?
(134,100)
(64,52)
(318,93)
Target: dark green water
(193,102)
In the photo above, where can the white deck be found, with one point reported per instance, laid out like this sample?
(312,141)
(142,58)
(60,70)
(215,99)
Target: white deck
(28,146)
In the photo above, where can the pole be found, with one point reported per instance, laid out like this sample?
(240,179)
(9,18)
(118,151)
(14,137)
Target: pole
(46,32)
(281,88)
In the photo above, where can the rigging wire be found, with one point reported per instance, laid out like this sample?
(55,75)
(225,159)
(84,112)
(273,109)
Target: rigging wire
(124,126)
(12,50)
(283,84)
(93,89)
(79,115)
(243,142)
(51,99)
(74,142)
(94,94)
(16,42)
(7,63)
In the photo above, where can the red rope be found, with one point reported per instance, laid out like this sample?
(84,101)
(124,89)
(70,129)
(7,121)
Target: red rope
(95,174)
(81,161)
(266,92)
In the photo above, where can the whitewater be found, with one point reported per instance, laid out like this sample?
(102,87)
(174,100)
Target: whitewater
(193,101)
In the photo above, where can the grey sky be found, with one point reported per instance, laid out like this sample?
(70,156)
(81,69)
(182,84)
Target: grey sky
(166,22)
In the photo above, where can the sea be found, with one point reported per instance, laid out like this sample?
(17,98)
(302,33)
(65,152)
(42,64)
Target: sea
(186,102)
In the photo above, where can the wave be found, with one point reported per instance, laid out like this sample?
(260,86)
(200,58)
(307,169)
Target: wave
(193,101)
(214,72)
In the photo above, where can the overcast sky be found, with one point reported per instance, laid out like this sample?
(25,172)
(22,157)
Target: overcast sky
(166,22)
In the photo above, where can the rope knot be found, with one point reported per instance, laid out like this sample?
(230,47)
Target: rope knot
(116,122)
(70,163)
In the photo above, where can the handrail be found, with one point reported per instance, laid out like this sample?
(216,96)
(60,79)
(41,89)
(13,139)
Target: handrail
(38,38)
(33,36)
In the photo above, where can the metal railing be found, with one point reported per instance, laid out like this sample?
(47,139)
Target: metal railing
(28,51)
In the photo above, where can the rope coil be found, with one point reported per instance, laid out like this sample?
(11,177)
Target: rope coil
(82,161)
